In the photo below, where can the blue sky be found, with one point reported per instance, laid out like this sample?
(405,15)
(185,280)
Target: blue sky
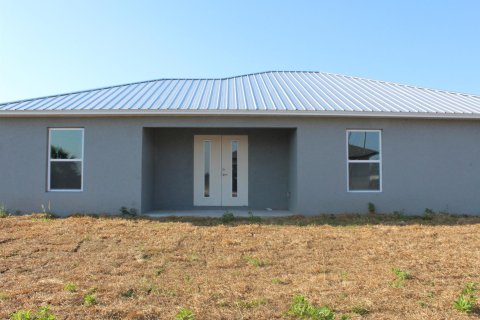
(49,47)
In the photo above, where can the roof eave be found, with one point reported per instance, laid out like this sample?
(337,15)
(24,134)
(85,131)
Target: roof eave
(273,113)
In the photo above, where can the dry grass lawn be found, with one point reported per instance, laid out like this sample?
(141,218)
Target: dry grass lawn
(149,269)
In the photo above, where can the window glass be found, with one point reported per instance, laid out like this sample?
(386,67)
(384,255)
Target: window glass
(66,144)
(207,156)
(364,176)
(363,145)
(66,175)
(234,169)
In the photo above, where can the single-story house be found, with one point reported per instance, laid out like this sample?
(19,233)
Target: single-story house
(299,142)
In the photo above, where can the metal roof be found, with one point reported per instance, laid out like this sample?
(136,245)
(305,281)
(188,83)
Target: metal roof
(275,92)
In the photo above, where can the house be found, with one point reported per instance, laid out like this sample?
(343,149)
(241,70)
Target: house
(302,142)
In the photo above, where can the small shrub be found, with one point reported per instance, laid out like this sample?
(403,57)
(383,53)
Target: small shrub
(428,214)
(302,309)
(70,287)
(255,261)
(371,208)
(227,217)
(132,212)
(185,314)
(89,299)
(3,211)
(467,299)
(400,277)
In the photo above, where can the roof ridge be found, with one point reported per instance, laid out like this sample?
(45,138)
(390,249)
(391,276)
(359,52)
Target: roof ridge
(240,76)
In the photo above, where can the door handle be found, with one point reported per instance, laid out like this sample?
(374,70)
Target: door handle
(224,174)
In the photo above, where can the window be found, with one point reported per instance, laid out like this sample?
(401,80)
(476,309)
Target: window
(207,154)
(65,159)
(364,160)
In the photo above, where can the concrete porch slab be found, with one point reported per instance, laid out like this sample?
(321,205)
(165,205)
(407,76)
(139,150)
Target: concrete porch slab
(217,213)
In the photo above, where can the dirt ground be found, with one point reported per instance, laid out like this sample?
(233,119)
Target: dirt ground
(149,269)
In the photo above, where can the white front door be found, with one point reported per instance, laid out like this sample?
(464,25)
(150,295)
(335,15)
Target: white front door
(220,170)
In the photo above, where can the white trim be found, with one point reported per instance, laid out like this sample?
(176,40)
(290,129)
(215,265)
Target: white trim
(50,160)
(379,161)
(204,112)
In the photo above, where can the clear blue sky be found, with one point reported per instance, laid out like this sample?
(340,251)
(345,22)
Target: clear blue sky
(49,47)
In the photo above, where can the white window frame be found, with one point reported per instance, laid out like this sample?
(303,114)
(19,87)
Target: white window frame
(50,160)
(379,161)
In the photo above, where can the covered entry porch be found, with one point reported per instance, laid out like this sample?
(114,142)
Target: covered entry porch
(206,171)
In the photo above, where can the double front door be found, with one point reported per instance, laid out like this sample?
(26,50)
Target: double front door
(220,170)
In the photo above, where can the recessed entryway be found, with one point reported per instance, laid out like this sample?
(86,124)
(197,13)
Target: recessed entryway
(220,170)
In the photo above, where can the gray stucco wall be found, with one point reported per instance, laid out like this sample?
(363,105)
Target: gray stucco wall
(426,163)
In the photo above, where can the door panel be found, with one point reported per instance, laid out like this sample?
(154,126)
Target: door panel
(220,170)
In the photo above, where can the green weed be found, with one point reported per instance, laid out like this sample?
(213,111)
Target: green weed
(70,287)
(303,309)
(467,299)
(400,277)
(185,314)
(250,304)
(43,313)
(255,261)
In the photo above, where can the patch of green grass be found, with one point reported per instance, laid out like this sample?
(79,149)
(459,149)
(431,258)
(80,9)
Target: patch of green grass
(250,304)
(255,261)
(467,300)
(43,313)
(185,314)
(400,277)
(302,309)
(70,287)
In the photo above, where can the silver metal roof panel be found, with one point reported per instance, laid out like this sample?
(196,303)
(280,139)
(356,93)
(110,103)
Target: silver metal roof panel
(275,92)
